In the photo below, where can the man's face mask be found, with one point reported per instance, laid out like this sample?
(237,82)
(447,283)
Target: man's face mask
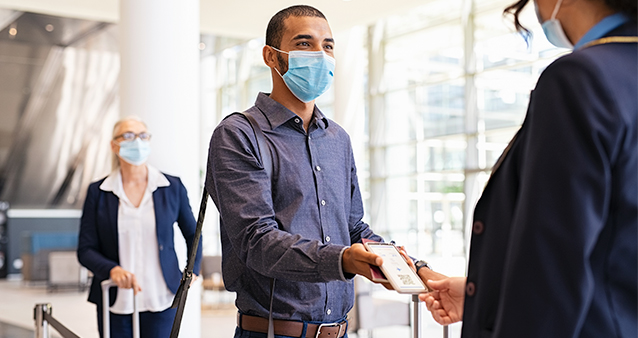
(309,74)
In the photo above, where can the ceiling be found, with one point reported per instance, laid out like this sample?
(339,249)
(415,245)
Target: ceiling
(235,18)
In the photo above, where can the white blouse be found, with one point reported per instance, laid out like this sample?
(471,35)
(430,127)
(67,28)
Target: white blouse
(137,245)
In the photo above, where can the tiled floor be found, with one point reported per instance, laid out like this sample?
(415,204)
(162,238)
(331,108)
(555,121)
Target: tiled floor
(17,302)
(12,331)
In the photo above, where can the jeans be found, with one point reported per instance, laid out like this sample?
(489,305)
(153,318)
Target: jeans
(152,324)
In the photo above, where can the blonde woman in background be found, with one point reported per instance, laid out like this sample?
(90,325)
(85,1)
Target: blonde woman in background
(126,234)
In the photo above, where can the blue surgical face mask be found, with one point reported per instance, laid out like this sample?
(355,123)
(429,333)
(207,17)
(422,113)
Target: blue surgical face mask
(553,29)
(135,152)
(309,74)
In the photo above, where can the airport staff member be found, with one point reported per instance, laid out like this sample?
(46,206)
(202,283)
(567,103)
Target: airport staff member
(554,250)
(299,227)
(126,234)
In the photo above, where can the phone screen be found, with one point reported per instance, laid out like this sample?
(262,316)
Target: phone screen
(398,272)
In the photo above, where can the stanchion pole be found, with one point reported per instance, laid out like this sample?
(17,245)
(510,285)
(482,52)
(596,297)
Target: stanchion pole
(416,317)
(41,325)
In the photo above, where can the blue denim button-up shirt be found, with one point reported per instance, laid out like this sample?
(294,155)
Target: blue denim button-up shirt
(293,228)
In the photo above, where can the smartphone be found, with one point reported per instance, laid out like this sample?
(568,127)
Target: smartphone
(402,278)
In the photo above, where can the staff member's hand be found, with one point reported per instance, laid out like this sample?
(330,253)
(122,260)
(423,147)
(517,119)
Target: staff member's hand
(124,279)
(446,301)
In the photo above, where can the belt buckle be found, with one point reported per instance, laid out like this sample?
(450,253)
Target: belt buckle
(328,325)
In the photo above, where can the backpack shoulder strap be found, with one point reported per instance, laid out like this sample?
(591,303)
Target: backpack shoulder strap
(262,145)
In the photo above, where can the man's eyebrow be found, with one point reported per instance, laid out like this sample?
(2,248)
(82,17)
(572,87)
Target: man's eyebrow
(302,36)
(309,37)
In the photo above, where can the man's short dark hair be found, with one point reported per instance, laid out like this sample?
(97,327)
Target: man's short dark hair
(275,30)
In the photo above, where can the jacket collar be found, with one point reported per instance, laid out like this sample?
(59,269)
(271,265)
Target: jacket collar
(113,182)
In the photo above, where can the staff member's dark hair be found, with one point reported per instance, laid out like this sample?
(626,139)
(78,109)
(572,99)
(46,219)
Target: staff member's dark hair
(275,29)
(629,7)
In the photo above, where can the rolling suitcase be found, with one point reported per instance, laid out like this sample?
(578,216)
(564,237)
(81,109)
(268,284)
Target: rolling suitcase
(106,322)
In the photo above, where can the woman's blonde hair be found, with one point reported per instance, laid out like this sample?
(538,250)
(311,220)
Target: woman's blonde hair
(115,161)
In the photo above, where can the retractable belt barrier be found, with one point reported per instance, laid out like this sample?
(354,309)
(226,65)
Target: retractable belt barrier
(42,316)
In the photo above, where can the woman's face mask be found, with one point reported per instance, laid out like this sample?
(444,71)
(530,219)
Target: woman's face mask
(135,151)
(309,74)
(553,29)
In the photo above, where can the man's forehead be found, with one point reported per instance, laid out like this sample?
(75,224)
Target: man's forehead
(306,27)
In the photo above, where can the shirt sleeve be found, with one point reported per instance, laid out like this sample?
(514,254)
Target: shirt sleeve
(573,133)
(241,189)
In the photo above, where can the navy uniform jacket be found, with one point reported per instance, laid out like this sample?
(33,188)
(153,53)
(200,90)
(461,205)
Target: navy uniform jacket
(553,251)
(98,243)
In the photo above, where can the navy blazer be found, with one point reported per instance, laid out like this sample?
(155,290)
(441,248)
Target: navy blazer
(98,241)
(554,243)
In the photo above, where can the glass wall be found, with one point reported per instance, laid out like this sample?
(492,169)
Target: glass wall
(445,87)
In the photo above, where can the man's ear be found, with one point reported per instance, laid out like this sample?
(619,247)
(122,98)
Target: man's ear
(270,57)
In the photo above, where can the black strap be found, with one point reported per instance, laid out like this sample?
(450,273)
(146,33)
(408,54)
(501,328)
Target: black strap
(262,146)
(266,161)
(182,292)
(63,330)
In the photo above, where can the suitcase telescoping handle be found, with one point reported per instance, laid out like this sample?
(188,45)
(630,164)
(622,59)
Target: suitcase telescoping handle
(106,322)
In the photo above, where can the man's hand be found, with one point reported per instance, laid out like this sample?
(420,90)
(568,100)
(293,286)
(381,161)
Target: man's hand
(357,260)
(446,301)
(124,279)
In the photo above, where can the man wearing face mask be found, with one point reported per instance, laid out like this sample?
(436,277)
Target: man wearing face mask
(554,250)
(126,235)
(291,239)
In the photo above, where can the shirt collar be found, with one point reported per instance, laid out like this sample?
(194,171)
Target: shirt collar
(113,182)
(277,114)
(603,27)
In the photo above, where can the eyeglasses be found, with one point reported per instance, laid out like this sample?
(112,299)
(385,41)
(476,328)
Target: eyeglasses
(130,136)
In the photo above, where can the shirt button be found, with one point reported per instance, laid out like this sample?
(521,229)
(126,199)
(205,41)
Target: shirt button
(318,168)
(470,289)
(329,311)
(323,202)
(297,120)
(327,238)
(161,247)
(478,227)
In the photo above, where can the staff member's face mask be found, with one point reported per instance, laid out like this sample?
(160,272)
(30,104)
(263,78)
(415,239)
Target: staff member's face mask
(309,74)
(553,29)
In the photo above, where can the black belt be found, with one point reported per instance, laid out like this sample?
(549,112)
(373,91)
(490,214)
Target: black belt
(292,328)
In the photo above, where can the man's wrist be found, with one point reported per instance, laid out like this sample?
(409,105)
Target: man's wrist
(421,264)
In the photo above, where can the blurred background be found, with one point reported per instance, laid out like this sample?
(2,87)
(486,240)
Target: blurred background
(430,91)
